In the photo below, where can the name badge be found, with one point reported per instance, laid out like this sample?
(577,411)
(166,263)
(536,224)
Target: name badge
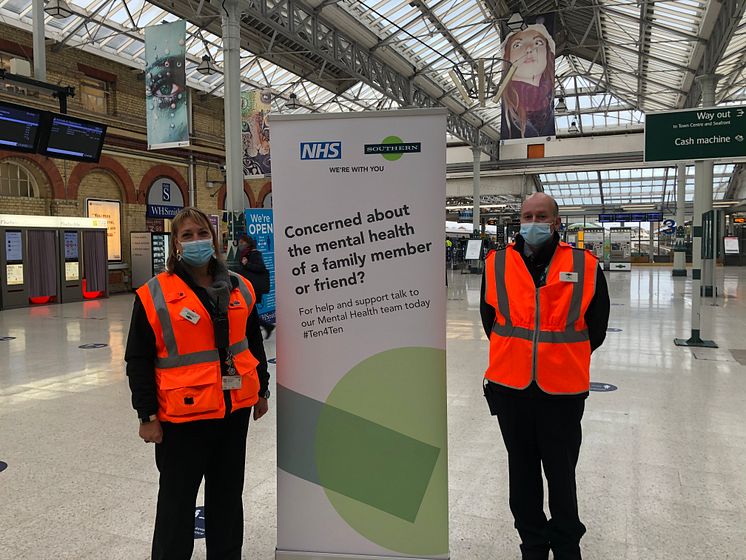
(190,316)
(231,382)
(569,277)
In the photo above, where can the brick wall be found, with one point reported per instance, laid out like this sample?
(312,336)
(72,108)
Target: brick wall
(126,170)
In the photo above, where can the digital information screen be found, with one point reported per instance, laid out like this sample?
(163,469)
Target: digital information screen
(13,246)
(71,245)
(19,127)
(71,138)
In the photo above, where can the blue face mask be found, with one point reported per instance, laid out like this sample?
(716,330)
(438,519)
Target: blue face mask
(197,253)
(536,234)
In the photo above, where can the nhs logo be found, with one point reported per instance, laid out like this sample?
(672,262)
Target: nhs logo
(321,150)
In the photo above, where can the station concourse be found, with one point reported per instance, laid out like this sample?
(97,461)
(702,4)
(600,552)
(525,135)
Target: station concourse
(117,114)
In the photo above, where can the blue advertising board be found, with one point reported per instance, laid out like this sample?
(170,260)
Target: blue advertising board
(260,226)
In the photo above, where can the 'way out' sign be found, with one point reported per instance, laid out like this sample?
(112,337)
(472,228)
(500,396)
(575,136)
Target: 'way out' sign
(692,134)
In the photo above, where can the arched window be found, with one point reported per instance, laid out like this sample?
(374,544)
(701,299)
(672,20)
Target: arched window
(15,180)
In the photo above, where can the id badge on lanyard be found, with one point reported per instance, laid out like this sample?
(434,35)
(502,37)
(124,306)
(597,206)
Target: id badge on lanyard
(231,381)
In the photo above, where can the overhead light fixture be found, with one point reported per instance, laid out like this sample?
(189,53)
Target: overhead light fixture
(292,102)
(58,9)
(561,106)
(206,67)
(515,22)
(573,128)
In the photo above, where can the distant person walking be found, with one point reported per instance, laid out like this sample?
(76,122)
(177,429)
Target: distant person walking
(256,272)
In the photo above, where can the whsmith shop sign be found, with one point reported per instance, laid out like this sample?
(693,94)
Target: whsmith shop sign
(695,134)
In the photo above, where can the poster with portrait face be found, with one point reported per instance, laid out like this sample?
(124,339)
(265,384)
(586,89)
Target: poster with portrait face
(528,98)
(165,86)
(255,107)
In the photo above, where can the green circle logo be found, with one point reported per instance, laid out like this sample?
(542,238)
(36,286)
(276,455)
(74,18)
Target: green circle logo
(381,453)
(392,140)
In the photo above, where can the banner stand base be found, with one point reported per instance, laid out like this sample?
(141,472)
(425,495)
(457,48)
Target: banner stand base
(694,341)
(298,555)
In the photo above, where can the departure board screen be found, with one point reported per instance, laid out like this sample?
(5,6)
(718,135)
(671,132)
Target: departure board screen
(19,127)
(71,138)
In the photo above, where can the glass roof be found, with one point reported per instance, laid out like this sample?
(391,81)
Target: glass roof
(652,185)
(616,60)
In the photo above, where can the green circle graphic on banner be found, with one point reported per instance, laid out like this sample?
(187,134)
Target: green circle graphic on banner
(392,140)
(381,450)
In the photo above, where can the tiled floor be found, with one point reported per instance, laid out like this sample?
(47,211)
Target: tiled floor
(662,473)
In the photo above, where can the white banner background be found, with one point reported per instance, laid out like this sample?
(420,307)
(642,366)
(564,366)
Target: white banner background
(320,342)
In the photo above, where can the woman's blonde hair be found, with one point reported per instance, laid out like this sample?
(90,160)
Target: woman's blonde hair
(198,216)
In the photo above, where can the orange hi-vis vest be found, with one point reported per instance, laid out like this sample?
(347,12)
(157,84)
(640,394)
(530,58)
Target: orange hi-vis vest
(540,333)
(187,367)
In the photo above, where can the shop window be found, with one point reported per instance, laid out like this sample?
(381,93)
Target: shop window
(94,95)
(15,180)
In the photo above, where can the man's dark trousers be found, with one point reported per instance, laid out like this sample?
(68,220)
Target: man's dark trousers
(543,432)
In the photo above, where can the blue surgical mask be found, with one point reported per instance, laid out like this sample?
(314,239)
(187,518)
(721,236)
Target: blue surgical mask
(536,234)
(197,253)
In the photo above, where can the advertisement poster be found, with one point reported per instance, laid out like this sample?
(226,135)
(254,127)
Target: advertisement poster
(255,107)
(109,210)
(361,382)
(165,86)
(260,226)
(528,98)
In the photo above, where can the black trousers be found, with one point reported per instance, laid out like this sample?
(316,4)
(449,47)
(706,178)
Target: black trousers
(543,432)
(215,450)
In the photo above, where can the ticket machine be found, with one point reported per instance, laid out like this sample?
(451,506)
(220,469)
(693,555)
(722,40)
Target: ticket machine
(13,276)
(71,288)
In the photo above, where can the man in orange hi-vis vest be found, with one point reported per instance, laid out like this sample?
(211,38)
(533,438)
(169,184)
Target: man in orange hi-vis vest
(544,308)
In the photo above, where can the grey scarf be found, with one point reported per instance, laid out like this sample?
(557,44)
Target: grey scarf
(220,290)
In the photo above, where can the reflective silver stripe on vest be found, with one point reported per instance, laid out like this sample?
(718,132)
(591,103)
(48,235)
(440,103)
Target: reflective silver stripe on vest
(578,265)
(244,289)
(569,335)
(238,347)
(503,305)
(192,359)
(544,336)
(203,357)
(167,329)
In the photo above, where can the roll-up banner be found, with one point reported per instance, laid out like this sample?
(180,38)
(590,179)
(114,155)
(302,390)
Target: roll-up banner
(362,459)
(528,98)
(166,104)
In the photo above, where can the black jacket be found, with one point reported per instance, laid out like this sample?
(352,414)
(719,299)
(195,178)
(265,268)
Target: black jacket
(596,317)
(255,271)
(141,353)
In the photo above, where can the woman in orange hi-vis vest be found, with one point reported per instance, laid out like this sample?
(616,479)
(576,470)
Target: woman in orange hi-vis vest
(545,308)
(197,369)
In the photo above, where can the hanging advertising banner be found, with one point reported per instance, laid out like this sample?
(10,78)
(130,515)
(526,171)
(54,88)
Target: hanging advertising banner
(528,97)
(164,199)
(166,104)
(260,227)
(255,108)
(361,382)
(111,211)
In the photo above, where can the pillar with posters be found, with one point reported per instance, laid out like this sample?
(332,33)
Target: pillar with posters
(361,379)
